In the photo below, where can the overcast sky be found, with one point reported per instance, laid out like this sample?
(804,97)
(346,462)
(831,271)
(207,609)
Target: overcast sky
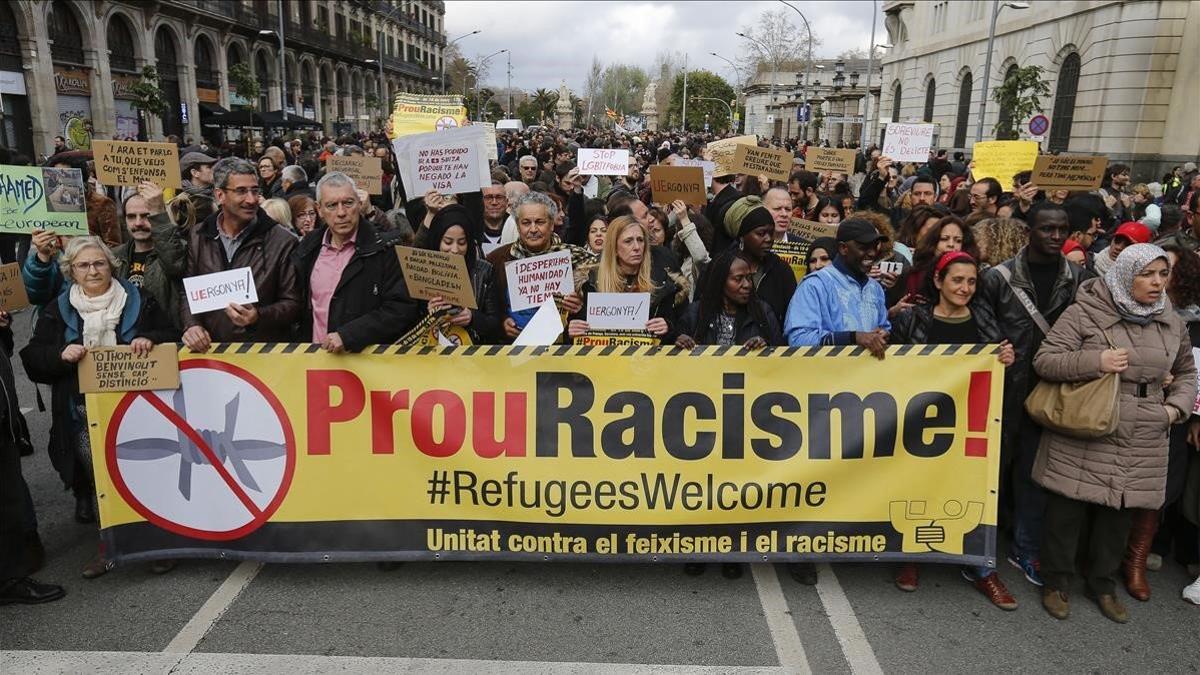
(552,41)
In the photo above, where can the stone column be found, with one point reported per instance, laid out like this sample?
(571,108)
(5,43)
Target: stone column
(39,82)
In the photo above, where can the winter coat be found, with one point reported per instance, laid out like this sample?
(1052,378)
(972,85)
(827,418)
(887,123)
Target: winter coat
(487,320)
(165,287)
(1128,468)
(911,327)
(670,290)
(745,327)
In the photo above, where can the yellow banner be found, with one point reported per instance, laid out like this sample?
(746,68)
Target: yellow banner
(605,452)
(422,113)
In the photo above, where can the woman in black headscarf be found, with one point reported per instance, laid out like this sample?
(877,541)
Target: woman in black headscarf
(453,230)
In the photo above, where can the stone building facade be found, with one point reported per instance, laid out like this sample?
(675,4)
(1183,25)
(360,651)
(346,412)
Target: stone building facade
(839,89)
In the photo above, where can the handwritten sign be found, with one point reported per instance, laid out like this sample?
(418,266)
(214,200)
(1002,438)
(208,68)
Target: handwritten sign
(35,198)
(104,369)
(618,311)
(210,292)
(830,159)
(668,183)
(721,153)
(810,230)
(593,162)
(908,142)
(1003,159)
(450,161)
(795,254)
(129,162)
(769,162)
(532,281)
(1069,172)
(12,288)
(432,274)
(366,172)
(709,167)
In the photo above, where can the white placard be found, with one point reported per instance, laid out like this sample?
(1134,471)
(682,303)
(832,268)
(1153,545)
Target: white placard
(469,145)
(492,152)
(908,142)
(709,167)
(531,281)
(210,292)
(544,328)
(618,311)
(599,162)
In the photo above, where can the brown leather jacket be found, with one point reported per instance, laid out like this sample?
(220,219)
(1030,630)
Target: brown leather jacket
(267,251)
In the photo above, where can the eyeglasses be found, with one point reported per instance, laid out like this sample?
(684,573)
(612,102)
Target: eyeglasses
(307,214)
(243,191)
(94,265)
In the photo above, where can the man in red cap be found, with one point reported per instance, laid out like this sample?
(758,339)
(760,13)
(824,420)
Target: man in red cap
(1127,234)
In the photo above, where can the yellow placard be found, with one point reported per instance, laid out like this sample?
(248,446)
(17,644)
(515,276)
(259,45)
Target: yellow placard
(1002,160)
(422,113)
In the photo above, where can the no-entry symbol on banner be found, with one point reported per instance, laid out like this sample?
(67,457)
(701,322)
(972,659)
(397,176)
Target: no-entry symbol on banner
(212,460)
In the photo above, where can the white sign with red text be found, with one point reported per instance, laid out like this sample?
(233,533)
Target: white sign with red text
(210,292)
(593,162)
(532,281)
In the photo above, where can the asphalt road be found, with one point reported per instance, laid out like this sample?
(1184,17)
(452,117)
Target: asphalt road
(526,617)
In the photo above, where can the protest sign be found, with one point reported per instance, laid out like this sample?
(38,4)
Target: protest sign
(1069,172)
(830,159)
(810,230)
(709,167)
(1002,160)
(544,328)
(129,162)
(12,288)
(119,369)
(431,274)
(795,254)
(421,113)
(616,338)
(366,172)
(489,136)
(618,311)
(36,198)
(908,142)
(532,281)
(721,153)
(621,453)
(668,183)
(451,161)
(769,162)
(210,292)
(598,162)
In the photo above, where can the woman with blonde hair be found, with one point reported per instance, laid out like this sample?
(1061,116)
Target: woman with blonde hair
(279,211)
(999,239)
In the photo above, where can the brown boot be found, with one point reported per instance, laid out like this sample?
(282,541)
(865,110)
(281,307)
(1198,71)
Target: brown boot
(1141,536)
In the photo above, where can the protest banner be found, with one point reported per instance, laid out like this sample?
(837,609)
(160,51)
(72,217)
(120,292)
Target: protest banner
(366,172)
(668,183)
(432,274)
(37,198)
(721,153)
(211,292)
(810,230)
(423,113)
(908,142)
(1069,172)
(451,161)
(601,162)
(618,311)
(769,162)
(830,159)
(1002,160)
(623,338)
(795,254)
(709,167)
(563,453)
(532,281)
(129,162)
(105,369)
(12,288)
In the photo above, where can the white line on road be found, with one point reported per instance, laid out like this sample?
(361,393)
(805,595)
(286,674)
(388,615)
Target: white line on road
(849,632)
(788,646)
(212,609)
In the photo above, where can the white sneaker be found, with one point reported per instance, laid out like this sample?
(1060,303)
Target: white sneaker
(1191,593)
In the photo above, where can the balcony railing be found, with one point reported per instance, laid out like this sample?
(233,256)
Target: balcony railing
(416,70)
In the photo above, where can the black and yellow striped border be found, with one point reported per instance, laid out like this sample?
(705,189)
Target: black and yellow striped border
(605,350)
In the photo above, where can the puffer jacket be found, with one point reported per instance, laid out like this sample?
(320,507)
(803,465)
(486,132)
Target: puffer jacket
(1128,468)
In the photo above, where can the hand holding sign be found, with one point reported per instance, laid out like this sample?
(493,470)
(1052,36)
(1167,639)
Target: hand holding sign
(223,290)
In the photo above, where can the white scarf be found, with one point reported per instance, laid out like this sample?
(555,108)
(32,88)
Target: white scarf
(100,314)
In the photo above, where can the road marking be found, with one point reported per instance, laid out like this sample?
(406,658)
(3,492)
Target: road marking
(212,609)
(849,632)
(201,663)
(788,646)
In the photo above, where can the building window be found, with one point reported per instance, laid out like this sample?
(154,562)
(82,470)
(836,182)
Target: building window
(120,45)
(930,96)
(1006,112)
(896,103)
(964,111)
(206,74)
(1064,104)
(65,36)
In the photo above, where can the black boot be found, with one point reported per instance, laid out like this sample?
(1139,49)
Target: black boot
(26,591)
(85,508)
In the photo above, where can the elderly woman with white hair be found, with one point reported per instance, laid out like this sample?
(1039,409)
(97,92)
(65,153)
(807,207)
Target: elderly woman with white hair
(95,309)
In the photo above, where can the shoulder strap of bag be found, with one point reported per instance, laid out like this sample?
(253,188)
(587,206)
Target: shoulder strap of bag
(1025,301)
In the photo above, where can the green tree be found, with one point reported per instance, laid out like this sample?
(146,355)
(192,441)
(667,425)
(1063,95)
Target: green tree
(702,86)
(148,98)
(818,119)
(622,88)
(543,102)
(1019,98)
(242,79)
(528,113)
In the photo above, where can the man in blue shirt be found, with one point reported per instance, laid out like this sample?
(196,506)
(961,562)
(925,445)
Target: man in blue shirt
(842,304)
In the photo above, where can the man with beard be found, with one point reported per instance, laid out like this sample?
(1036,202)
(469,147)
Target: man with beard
(141,265)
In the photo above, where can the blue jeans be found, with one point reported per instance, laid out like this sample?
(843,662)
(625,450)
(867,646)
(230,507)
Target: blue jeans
(1029,499)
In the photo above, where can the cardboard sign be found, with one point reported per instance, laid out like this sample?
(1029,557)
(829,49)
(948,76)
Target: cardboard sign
(1069,172)
(12,288)
(1003,159)
(908,142)
(533,281)
(451,161)
(709,167)
(795,254)
(431,274)
(810,230)
(36,198)
(668,183)
(618,311)
(366,172)
(210,292)
(105,369)
(830,159)
(594,162)
(721,153)
(769,162)
(128,162)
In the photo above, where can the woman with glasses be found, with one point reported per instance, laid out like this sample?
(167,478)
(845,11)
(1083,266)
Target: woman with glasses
(304,214)
(268,178)
(94,310)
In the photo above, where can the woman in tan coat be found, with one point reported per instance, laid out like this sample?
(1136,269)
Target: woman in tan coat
(1094,484)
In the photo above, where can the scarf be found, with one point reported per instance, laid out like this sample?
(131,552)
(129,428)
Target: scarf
(100,314)
(579,255)
(1119,279)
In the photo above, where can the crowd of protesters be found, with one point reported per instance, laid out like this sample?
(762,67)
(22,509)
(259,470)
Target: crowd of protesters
(1069,285)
